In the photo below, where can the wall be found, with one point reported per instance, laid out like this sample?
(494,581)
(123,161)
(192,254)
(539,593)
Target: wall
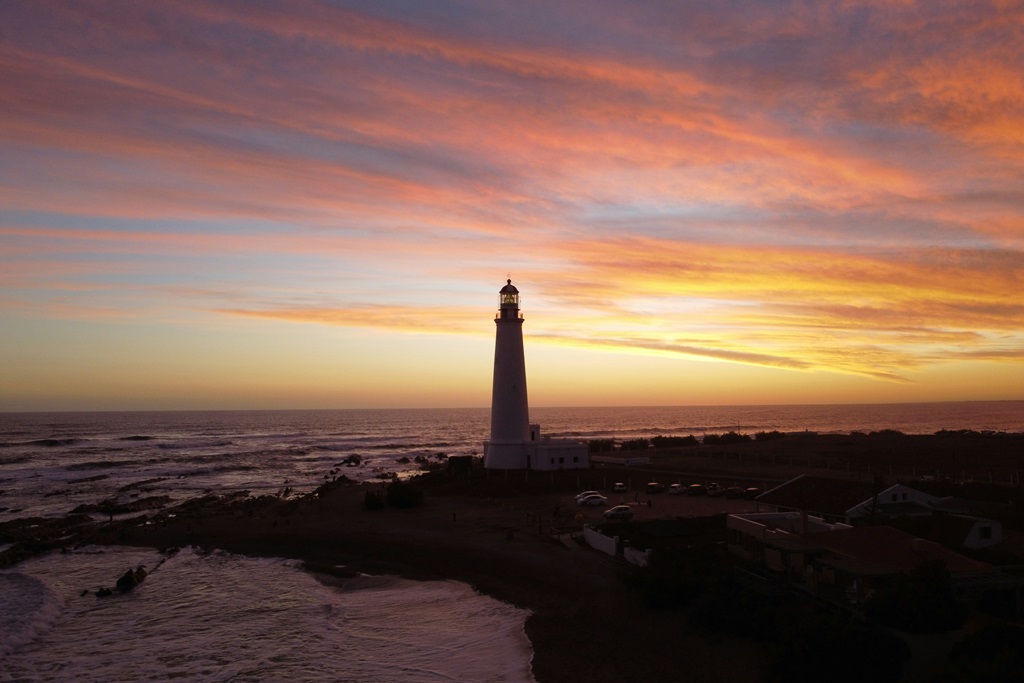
(599,541)
(616,460)
(638,557)
(974,539)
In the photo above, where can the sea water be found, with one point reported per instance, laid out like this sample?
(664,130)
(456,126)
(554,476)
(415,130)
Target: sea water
(219,617)
(51,463)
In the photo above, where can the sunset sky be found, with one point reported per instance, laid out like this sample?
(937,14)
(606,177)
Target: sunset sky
(292,204)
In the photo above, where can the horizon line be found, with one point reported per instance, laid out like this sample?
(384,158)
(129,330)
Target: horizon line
(542,407)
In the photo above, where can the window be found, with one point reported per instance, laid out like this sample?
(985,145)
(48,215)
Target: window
(985,533)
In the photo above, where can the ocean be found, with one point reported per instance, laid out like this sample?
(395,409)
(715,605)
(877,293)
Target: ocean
(219,617)
(207,619)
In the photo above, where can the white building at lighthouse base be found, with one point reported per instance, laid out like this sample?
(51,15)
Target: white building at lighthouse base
(539,453)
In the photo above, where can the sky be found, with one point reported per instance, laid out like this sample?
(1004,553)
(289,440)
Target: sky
(219,204)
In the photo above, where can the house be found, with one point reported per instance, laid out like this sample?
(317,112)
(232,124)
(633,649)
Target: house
(773,540)
(842,562)
(849,502)
(895,501)
(963,531)
(859,559)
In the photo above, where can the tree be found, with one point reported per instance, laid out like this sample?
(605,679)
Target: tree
(919,602)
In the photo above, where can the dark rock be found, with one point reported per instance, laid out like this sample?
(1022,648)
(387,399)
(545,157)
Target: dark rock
(131,578)
(127,581)
(112,507)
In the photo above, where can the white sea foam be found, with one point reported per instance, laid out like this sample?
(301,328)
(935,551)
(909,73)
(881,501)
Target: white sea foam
(219,617)
(30,609)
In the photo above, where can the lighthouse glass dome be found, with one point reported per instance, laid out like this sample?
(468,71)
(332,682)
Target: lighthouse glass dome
(509,294)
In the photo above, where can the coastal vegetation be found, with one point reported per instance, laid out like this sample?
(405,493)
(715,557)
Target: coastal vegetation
(919,602)
(397,494)
(692,575)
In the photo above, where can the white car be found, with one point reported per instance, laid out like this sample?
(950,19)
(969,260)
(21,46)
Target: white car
(593,499)
(619,487)
(619,512)
(581,496)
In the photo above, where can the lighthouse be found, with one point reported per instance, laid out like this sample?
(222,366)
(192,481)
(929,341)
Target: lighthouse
(510,410)
(515,444)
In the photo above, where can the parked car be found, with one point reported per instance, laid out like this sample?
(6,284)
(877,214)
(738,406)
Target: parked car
(715,490)
(675,489)
(619,487)
(581,496)
(734,492)
(619,512)
(593,499)
(696,490)
(655,487)
(751,492)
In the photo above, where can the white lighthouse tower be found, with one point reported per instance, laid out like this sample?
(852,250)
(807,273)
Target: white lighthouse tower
(510,411)
(515,444)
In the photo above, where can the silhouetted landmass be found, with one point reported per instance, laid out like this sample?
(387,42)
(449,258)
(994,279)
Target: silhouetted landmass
(593,617)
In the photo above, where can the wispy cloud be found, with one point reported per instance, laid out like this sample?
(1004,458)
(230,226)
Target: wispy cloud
(799,186)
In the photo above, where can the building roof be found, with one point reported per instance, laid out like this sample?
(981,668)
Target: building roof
(966,506)
(908,508)
(818,495)
(885,548)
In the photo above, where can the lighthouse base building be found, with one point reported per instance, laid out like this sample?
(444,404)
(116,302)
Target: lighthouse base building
(515,444)
(536,454)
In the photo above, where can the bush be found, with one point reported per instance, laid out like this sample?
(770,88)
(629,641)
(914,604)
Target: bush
(727,438)
(675,441)
(373,501)
(769,436)
(402,494)
(887,432)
